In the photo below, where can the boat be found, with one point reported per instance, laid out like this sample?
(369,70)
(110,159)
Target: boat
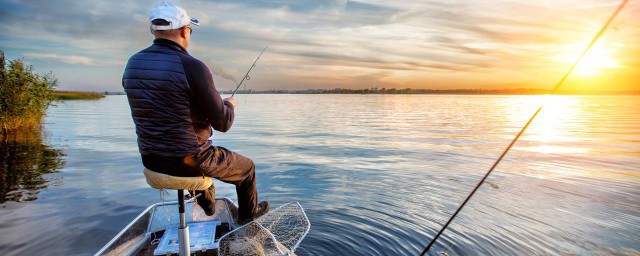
(155,231)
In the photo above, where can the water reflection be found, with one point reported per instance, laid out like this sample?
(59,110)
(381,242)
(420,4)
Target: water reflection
(376,174)
(25,161)
(551,129)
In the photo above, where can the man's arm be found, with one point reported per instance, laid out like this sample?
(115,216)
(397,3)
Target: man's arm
(219,113)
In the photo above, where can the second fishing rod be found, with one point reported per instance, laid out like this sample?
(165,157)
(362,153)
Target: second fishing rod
(526,125)
(246,76)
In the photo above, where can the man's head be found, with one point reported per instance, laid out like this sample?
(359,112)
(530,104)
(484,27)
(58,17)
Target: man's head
(170,21)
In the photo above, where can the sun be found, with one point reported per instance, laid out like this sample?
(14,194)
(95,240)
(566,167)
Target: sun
(597,60)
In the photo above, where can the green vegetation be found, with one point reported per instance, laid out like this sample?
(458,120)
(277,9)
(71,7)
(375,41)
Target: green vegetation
(24,158)
(24,96)
(68,95)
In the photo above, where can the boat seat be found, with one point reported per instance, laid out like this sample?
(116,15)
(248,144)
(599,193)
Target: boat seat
(164,181)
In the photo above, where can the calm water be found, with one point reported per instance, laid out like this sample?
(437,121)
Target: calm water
(376,174)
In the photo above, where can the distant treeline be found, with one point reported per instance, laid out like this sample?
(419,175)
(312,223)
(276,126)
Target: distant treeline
(112,93)
(519,91)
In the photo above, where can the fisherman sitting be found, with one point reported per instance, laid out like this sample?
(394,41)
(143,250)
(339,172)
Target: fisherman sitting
(175,105)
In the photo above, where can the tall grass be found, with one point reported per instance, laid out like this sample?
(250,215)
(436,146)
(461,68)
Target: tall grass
(67,95)
(24,95)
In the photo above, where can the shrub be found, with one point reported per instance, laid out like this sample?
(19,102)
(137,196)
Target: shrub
(24,95)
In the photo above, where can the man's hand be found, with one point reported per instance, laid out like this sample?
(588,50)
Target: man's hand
(232,101)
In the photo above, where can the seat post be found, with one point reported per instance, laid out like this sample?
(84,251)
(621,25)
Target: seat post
(183,229)
(164,181)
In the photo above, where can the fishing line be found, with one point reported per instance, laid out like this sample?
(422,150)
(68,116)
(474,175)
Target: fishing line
(246,76)
(506,150)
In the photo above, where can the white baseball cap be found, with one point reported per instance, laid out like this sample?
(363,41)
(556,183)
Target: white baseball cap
(172,13)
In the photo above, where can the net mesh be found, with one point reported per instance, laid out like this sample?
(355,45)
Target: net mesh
(279,232)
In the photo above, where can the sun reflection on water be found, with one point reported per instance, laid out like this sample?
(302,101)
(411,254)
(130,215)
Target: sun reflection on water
(551,130)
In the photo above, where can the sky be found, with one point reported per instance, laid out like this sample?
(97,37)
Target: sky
(314,44)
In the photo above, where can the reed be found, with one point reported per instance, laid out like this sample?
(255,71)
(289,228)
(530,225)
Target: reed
(24,95)
(73,95)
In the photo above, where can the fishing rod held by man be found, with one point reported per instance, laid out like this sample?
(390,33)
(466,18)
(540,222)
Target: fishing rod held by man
(246,76)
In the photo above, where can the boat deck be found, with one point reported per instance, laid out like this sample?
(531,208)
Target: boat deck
(150,245)
(142,235)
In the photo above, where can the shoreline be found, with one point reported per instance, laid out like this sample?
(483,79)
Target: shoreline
(420,92)
(437,92)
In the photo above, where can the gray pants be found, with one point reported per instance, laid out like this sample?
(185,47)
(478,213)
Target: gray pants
(219,163)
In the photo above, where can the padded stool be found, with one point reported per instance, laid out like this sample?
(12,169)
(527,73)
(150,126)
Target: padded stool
(164,181)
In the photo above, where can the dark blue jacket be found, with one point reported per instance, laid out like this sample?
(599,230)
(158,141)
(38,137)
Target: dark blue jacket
(173,100)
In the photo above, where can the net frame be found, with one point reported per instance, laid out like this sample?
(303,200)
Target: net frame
(279,232)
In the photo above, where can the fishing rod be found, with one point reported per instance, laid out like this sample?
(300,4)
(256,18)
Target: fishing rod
(515,139)
(246,76)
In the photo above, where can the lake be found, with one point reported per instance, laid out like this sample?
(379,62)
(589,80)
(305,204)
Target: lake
(376,174)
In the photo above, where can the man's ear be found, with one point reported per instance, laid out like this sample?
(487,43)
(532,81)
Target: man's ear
(151,30)
(183,32)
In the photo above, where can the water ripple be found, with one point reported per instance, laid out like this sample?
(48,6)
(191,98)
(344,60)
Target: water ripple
(377,174)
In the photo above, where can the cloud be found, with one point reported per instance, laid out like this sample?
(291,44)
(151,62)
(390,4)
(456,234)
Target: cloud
(420,43)
(74,59)
(66,59)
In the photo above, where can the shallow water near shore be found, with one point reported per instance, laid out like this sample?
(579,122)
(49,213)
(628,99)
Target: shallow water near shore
(376,174)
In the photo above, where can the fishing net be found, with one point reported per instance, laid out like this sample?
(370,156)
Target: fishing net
(278,232)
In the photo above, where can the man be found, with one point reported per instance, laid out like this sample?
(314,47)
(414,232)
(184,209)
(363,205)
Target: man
(175,105)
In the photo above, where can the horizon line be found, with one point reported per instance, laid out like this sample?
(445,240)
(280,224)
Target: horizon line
(526,91)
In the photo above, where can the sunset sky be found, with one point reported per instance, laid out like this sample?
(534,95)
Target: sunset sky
(348,44)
